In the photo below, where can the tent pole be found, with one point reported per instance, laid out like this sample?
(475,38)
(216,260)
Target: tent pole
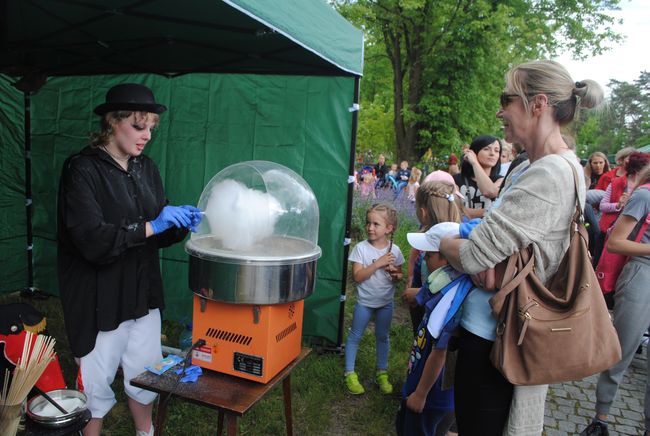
(29,291)
(348,214)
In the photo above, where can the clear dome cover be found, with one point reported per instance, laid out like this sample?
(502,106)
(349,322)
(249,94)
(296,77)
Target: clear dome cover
(257,211)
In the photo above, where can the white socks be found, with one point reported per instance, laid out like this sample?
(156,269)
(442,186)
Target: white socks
(144,433)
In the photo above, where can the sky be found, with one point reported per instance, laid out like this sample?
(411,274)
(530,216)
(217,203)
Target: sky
(624,61)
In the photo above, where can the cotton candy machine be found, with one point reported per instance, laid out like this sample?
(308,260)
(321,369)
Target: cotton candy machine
(252,262)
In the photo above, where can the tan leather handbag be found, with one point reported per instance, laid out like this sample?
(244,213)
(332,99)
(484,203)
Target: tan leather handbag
(557,333)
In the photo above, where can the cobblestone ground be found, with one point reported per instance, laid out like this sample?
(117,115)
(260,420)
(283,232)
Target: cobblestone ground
(570,406)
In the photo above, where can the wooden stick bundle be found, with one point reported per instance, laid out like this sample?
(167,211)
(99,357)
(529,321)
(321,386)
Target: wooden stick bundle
(28,370)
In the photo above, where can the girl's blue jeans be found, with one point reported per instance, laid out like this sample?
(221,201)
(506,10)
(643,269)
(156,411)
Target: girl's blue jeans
(360,320)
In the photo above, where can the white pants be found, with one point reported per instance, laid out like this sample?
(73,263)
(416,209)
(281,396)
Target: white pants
(133,345)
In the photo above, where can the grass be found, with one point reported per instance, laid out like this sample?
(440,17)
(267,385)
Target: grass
(321,405)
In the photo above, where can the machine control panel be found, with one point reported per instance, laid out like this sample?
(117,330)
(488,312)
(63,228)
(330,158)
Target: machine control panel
(249,364)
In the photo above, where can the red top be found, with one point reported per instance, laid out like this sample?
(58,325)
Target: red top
(618,188)
(606,179)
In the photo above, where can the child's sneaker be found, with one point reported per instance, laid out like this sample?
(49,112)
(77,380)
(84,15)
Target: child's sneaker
(384,385)
(352,382)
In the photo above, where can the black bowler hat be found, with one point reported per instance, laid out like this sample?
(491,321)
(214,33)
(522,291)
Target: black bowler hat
(130,97)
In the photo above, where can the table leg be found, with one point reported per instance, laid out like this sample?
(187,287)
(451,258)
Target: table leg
(161,414)
(232,425)
(220,423)
(286,389)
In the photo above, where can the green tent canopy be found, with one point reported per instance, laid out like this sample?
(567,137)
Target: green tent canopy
(64,37)
(243,80)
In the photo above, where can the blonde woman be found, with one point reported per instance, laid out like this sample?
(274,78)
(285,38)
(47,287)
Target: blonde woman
(113,217)
(534,209)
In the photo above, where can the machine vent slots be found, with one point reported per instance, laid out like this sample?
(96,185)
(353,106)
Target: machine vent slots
(284,333)
(229,336)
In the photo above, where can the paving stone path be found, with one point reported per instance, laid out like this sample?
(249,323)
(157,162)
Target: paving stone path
(571,406)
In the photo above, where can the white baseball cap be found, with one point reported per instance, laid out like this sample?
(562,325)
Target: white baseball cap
(430,241)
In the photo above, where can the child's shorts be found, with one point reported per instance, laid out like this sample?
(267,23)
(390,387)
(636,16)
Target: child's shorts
(133,345)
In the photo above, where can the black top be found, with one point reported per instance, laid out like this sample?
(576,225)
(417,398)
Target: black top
(594,180)
(472,196)
(381,171)
(108,270)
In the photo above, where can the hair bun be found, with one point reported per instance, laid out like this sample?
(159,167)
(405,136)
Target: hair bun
(590,93)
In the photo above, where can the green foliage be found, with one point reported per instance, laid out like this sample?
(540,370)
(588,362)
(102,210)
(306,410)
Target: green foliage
(438,65)
(375,134)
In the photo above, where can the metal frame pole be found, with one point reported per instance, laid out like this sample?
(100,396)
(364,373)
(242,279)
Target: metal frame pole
(348,213)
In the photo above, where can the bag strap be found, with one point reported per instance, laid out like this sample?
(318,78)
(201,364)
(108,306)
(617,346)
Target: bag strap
(512,279)
(644,186)
(642,229)
(578,217)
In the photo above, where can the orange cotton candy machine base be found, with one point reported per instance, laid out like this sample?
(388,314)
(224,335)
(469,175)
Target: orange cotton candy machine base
(255,342)
(252,262)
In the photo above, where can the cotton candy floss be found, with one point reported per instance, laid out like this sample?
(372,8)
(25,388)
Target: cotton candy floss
(240,216)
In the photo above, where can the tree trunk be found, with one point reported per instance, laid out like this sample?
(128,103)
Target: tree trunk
(393,50)
(414,96)
(406,132)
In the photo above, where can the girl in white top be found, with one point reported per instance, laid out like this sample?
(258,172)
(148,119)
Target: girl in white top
(375,268)
(413,184)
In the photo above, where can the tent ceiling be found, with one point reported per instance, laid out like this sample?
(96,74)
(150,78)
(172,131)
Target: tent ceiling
(170,37)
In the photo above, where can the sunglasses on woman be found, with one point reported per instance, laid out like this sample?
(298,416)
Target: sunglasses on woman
(506,98)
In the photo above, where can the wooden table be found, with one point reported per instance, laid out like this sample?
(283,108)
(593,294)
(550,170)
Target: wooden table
(229,395)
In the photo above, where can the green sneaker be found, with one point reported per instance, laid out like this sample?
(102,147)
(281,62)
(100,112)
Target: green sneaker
(352,382)
(384,385)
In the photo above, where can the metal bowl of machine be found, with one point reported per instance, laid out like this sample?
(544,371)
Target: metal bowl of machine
(284,272)
(257,243)
(44,413)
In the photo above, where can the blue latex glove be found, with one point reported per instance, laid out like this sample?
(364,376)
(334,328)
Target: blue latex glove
(197,216)
(467,226)
(171,216)
(191,373)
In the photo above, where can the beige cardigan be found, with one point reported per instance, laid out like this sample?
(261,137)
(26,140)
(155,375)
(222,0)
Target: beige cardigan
(536,210)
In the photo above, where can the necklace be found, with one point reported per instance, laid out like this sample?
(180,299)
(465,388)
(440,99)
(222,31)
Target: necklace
(121,160)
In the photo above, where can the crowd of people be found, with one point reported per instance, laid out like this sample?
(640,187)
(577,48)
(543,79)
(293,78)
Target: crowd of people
(506,195)
(484,165)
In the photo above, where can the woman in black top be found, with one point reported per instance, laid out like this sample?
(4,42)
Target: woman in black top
(381,169)
(479,180)
(113,218)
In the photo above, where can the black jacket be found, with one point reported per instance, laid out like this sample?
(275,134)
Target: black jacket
(109,271)
(381,171)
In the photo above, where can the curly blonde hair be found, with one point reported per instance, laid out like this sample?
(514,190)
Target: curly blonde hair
(103,137)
